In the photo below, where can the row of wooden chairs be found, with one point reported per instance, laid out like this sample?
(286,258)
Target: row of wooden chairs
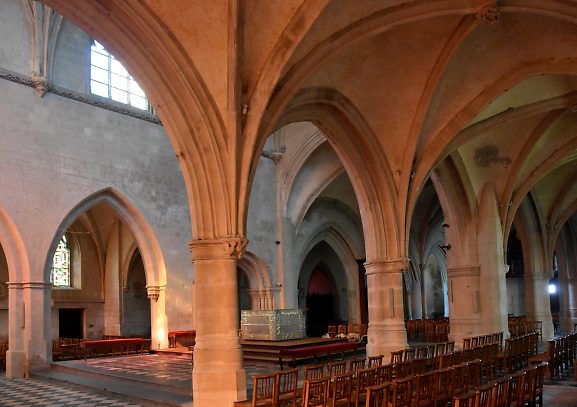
(560,355)
(436,387)
(519,350)
(425,352)
(343,329)
(428,330)
(474,341)
(524,387)
(66,349)
(520,325)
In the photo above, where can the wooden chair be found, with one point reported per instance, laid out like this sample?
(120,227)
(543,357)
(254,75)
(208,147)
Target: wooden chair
(313,372)
(537,397)
(397,356)
(402,369)
(286,387)
(464,399)
(337,368)
(316,392)
(342,329)
(378,395)
(473,373)
(402,392)
(342,389)
(422,353)
(375,360)
(385,373)
(424,390)
(528,386)
(459,381)
(363,379)
(466,343)
(263,390)
(484,395)
(409,354)
(442,386)
(332,331)
(516,389)
(501,392)
(356,364)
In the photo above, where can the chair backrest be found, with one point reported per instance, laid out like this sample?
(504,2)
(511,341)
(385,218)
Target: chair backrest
(484,395)
(378,395)
(473,373)
(356,364)
(313,372)
(336,368)
(402,369)
(409,354)
(397,356)
(529,384)
(459,380)
(332,330)
(516,387)
(316,392)
(464,399)
(402,392)
(385,373)
(442,385)
(342,388)
(425,387)
(501,392)
(375,360)
(342,329)
(263,389)
(286,385)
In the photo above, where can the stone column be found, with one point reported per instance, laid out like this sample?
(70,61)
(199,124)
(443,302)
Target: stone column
(464,303)
(38,322)
(112,284)
(158,321)
(218,376)
(386,331)
(538,301)
(16,366)
(492,284)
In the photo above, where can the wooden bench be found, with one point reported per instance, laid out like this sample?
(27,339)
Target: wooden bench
(188,336)
(315,351)
(113,346)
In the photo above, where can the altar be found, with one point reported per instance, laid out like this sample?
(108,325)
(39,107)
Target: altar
(273,325)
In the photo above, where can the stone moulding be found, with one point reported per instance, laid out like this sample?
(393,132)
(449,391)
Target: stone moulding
(79,97)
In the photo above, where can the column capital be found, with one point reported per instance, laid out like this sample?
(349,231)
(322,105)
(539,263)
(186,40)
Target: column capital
(153,291)
(464,271)
(386,266)
(230,247)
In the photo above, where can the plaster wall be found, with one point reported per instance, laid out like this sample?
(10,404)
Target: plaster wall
(57,152)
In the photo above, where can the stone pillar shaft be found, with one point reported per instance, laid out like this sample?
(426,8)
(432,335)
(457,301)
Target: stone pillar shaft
(464,303)
(16,366)
(386,331)
(158,321)
(37,322)
(538,302)
(218,376)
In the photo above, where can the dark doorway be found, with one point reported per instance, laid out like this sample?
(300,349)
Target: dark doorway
(71,323)
(321,298)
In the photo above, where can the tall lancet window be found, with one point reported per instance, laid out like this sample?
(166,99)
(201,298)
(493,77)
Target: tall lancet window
(60,275)
(109,79)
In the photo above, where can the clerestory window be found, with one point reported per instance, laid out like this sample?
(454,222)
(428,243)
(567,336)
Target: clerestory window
(109,79)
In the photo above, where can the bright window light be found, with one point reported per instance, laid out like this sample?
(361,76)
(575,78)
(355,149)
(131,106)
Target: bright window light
(552,288)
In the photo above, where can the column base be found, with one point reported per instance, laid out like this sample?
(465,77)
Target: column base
(464,328)
(218,378)
(386,338)
(16,365)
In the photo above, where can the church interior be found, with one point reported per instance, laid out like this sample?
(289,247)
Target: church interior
(174,166)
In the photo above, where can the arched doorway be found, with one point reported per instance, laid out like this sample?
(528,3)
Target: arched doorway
(515,275)
(243,283)
(321,300)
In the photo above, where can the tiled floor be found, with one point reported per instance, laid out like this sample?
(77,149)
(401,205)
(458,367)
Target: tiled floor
(34,392)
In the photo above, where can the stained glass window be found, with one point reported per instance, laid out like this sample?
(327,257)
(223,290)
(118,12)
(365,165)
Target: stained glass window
(61,264)
(109,79)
